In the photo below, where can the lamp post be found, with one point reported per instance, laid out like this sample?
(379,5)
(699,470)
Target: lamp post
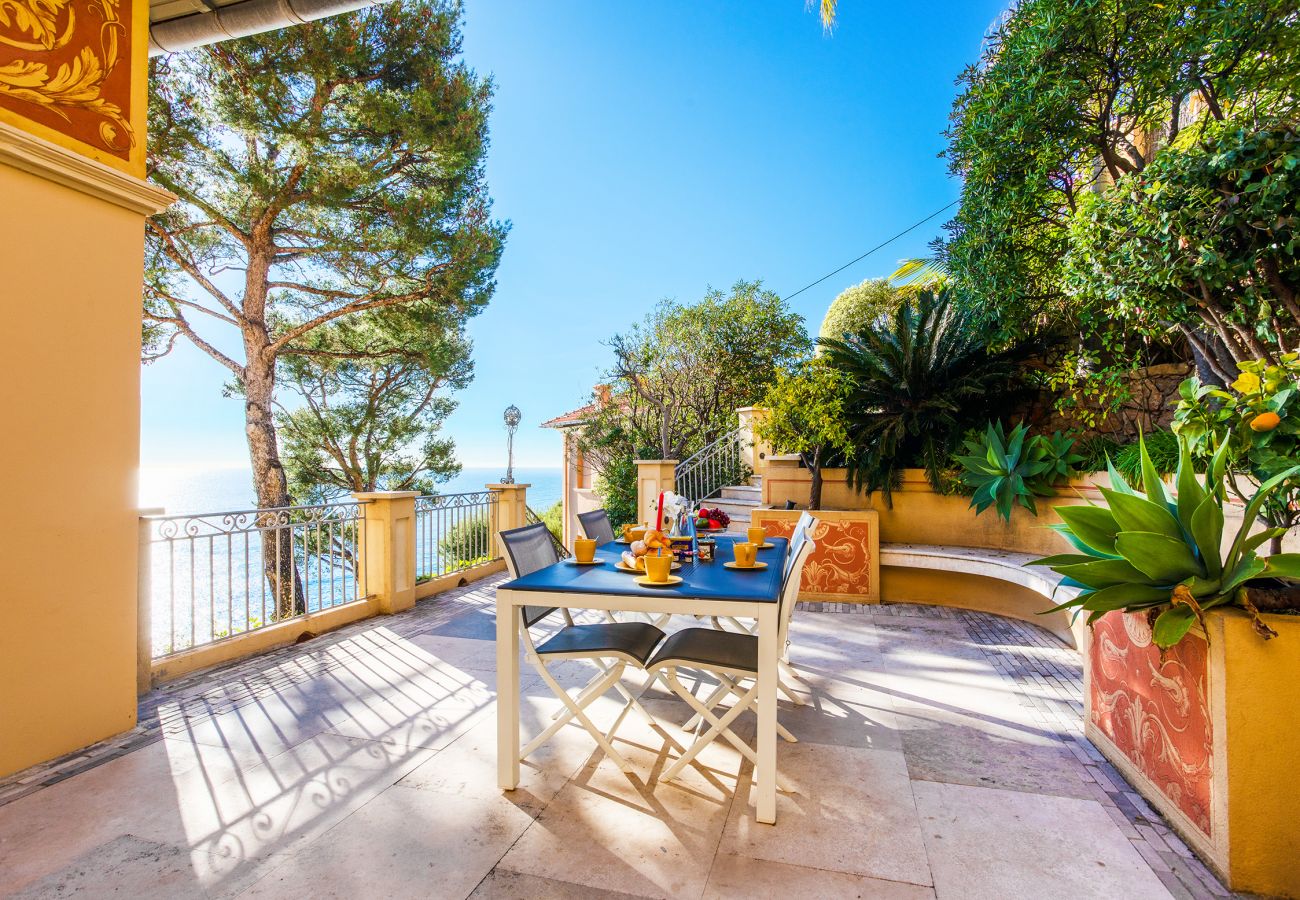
(512,418)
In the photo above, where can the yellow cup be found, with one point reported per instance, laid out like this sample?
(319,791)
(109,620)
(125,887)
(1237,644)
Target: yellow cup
(584,549)
(757,534)
(746,553)
(658,567)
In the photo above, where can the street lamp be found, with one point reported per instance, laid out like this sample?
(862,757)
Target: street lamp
(512,418)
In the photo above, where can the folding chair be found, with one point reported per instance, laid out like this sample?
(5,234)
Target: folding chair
(802,529)
(610,646)
(732,658)
(596,526)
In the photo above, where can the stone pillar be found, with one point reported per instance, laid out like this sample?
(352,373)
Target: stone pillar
(652,477)
(754,450)
(510,511)
(387,549)
(144,605)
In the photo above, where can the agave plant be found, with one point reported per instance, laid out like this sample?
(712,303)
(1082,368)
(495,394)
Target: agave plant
(1153,552)
(1008,469)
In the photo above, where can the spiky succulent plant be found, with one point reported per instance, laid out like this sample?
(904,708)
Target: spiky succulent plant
(1156,552)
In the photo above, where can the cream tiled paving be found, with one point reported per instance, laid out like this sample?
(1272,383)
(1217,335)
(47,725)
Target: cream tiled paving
(941,754)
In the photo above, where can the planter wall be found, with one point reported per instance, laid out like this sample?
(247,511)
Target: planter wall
(1209,735)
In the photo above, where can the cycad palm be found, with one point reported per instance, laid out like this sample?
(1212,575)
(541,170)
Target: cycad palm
(920,379)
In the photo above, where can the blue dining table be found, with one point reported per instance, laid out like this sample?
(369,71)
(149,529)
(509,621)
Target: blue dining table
(707,589)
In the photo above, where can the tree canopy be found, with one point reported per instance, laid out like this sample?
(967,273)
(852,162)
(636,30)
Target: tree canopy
(858,306)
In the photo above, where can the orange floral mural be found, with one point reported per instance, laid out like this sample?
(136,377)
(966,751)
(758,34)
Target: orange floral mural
(1156,711)
(66,65)
(841,564)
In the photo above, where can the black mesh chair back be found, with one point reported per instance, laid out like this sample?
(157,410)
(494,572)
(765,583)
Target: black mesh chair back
(528,549)
(596,526)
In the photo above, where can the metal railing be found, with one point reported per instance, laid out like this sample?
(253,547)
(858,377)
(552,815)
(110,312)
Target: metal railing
(214,575)
(718,465)
(533,518)
(453,532)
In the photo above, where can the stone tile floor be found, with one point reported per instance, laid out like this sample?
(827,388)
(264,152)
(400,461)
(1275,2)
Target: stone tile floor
(940,754)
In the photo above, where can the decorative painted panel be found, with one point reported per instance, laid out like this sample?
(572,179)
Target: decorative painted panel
(72,71)
(1155,710)
(845,566)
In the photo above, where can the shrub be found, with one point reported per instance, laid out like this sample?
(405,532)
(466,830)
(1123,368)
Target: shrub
(859,306)
(553,517)
(1162,449)
(1008,469)
(918,380)
(466,544)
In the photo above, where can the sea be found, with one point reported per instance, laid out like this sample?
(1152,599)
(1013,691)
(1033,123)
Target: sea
(188,490)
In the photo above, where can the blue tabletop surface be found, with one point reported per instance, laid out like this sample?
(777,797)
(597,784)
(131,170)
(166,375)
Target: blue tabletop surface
(701,580)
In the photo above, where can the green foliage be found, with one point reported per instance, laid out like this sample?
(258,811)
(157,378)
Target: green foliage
(327,174)
(918,381)
(1068,98)
(807,415)
(553,517)
(1007,469)
(373,424)
(1161,448)
(467,543)
(1206,235)
(678,377)
(858,306)
(1096,452)
(1152,552)
(1257,421)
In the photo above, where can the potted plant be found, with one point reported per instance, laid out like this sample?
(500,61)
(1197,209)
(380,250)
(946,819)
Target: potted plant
(1184,690)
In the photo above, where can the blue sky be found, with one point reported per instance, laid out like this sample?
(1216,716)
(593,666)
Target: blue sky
(651,150)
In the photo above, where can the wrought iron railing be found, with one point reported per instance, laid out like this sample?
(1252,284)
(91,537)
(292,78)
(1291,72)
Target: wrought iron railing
(214,575)
(453,532)
(533,519)
(718,465)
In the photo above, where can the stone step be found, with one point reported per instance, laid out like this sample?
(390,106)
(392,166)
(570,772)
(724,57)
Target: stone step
(742,492)
(756,480)
(739,511)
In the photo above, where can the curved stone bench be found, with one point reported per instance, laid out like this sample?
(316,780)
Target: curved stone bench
(994,581)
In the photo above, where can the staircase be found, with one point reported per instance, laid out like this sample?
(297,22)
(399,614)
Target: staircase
(738,501)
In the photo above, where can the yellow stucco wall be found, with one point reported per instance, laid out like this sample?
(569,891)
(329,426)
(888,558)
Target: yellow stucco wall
(70,267)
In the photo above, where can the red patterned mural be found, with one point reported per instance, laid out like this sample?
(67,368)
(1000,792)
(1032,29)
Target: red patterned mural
(1155,711)
(66,65)
(842,564)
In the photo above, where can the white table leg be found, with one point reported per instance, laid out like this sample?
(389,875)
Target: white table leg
(768,654)
(507,693)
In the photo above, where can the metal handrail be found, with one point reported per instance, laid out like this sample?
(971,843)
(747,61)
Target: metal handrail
(534,519)
(715,466)
(453,532)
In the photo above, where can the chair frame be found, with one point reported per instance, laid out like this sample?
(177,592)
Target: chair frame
(609,675)
(730,682)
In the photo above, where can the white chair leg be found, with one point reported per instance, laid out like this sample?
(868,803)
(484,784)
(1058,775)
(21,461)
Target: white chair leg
(581,716)
(719,727)
(719,694)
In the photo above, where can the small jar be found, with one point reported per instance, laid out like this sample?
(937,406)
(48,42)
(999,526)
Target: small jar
(706,549)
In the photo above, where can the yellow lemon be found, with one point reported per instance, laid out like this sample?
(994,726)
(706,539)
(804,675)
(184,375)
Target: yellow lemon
(1265,421)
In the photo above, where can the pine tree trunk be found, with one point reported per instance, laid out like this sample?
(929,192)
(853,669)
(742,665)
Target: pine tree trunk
(269,482)
(272,491)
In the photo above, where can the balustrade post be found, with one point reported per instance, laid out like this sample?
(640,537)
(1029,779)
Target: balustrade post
(509,511)
(144,604)
(653,476)
(754,450)
(386,548)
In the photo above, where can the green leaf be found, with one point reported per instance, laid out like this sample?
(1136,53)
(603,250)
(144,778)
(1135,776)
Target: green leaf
(1282,565)
(1246,570)
(1163,559)
(1117,482)
(1252,510)
(1172,625)
(1100,573)
(1094,526)
(1155,488)
(1061,559)
(1190,492)
(1207,532)
(1136,514)
(1123,596)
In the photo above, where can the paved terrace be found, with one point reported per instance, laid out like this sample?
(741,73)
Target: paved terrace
(940,754)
